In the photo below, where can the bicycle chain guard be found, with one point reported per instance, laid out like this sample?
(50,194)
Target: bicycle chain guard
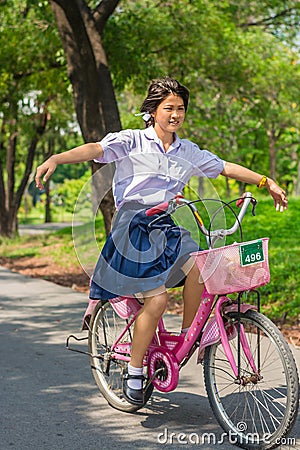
(163,369)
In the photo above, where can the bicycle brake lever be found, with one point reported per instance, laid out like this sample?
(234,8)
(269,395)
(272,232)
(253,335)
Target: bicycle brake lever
(158,218)
(254,203)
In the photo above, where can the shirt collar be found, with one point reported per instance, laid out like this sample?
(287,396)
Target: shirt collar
(151,135)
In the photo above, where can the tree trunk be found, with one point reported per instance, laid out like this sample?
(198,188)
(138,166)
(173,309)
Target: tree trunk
(201,187)
(48,218)
(272,152)
(297,188)
(49,152)
(10,199)
(297,182)
(10,164)
(3,208)
(102,194)
(96,108)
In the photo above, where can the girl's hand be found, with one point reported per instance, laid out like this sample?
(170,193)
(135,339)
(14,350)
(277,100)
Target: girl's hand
(47,168)
(278,194)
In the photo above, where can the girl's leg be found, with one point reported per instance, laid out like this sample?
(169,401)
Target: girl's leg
(145,326)
(144,329)
(192,293)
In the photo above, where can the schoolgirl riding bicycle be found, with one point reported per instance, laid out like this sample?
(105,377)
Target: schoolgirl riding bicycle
(152,165)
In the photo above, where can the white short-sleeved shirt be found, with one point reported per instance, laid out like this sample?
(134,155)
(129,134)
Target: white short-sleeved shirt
(146,173)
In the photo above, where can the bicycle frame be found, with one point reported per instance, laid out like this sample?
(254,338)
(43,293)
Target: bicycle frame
(178,348)
(183,346)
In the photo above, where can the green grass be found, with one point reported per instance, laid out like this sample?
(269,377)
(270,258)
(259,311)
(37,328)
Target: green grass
(59,245)
(280,298)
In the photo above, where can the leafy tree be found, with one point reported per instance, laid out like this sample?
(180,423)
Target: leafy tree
(222,50)
(81,28)
(237,59)
(276,93)
(35,99)
(24,110)
(262,112)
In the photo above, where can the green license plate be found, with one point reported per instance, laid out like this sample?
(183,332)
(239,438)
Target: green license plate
(251,253)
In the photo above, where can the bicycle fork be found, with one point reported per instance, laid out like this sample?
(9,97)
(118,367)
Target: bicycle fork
(215,331)
(242,341)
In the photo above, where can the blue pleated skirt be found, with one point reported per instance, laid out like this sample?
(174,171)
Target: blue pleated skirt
(140,255)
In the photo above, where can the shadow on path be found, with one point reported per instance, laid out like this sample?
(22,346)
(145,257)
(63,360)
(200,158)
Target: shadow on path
(49,400)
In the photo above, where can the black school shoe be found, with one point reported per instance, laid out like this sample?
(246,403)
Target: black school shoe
(133,396)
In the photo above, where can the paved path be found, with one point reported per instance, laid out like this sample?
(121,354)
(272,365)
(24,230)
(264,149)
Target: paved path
(43,228)
(48,398)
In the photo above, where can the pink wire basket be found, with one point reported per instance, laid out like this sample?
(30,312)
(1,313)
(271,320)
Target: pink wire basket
(234,268)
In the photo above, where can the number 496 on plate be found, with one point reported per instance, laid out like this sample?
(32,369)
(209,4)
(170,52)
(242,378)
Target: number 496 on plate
(251,253)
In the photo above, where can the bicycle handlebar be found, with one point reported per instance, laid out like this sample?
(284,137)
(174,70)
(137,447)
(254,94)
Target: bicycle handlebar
(157,209)
(170,206)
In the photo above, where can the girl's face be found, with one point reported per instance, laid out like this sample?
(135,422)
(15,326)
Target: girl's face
(169,115)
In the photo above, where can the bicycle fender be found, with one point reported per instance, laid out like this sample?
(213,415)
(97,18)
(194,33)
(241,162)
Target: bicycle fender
(88,314)
(243,308)
(211,333)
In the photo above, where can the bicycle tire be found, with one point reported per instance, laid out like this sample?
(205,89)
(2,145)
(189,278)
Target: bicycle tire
(254,416)
(100,340)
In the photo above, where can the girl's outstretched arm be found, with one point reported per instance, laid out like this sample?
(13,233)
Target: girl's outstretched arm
(85,152)
(245,175)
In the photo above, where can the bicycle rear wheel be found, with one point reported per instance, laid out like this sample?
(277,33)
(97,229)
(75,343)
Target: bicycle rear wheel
(260,413)
(105,327)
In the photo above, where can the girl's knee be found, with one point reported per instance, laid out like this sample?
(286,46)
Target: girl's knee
(156,304)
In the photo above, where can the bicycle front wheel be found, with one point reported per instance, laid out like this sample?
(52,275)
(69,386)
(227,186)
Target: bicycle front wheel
(105,328)
(259,413)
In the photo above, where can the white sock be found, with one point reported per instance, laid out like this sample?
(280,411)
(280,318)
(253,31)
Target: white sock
(185,330)
(134,383)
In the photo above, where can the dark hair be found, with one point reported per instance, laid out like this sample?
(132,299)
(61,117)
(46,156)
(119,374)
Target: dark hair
(158,90)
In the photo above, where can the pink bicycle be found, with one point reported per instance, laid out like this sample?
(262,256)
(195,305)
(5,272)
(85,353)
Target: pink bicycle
(249,370)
